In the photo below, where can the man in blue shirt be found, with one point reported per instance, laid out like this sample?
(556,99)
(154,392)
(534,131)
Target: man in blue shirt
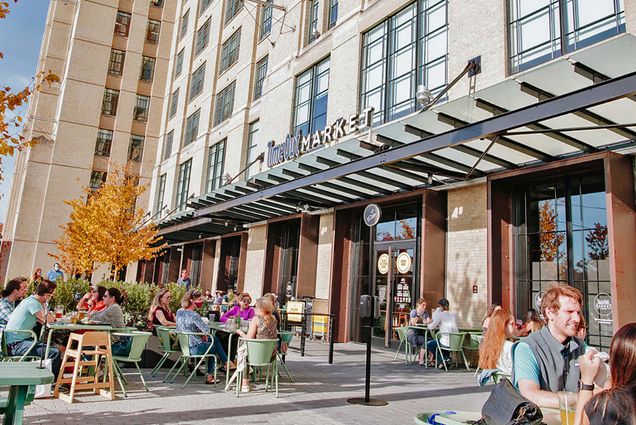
(184,280)
(15,291)
(55,273)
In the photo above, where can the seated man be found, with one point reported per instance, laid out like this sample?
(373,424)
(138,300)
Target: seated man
(544,362)
(15,291)
(446,321)
(26,315)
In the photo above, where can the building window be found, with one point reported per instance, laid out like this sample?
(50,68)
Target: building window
(97,179)
(116,62)
(141,108)
(252,151)
(203,6)
(202,37)
(156,3)
(178,63)
(313,32)
(216,157)
(122,24)
(147,69)
(103,143)
(540,31)
(161,191)
(266,22)
(192,128)
(152,31)
(232,8)
(261,72)
(109,103)
(224,104)
(183,184)
(167,145)
(230,51)
(183,26)
(408,49)
(310,105)
(196,83)
(174,102)
(333,13)
(135,148)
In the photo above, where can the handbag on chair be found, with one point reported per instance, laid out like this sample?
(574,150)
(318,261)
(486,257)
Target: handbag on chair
(506,406)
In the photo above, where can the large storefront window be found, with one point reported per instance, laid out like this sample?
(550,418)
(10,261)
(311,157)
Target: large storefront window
(395,272)
(562,237)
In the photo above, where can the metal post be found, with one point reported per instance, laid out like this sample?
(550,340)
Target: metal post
(331,339)
(367,382)
(302,336)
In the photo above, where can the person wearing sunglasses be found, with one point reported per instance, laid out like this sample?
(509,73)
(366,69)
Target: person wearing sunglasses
(243,309)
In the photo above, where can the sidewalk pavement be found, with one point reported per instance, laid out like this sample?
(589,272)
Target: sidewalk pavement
(318,395)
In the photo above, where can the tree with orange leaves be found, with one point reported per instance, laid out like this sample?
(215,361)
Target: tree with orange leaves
(11,125)
(107,227)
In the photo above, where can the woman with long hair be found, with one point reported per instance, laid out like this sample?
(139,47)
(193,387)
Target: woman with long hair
(93,300)
(160,313)
(486,322)
(37,277)
(532,323)
(615,405)
(495,351)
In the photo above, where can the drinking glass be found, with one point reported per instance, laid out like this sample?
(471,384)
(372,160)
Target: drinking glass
(567,407)
(59,311)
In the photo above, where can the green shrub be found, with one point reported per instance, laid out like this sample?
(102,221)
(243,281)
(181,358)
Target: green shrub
(68,293)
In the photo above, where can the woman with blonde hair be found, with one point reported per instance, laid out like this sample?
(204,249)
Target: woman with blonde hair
(273,298)
(495,351)
(160,313)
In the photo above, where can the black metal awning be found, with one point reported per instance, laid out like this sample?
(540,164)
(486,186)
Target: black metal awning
(579,104)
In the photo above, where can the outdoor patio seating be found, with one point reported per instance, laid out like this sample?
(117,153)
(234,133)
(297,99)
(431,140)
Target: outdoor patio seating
(456,345)
(6,357)
(285,341)
(259,355)
(138,343)
(163,333)
(408,348)
(186,356)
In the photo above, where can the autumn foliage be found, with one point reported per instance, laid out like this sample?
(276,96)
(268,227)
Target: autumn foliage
(106,227)
(11,126)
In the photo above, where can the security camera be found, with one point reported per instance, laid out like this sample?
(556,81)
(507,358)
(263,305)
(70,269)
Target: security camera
(423,96)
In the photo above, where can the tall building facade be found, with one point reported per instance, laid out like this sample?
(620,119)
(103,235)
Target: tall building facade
(112,58)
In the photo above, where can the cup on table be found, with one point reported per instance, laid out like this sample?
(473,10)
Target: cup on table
(211,317)
(59,311)
(567,406)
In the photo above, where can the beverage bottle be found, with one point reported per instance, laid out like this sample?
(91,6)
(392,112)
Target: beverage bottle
(237,323)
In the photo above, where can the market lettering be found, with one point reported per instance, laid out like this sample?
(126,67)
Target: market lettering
(297,145)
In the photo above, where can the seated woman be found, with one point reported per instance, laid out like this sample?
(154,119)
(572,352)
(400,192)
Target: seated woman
(242,310)
(614,405)
(446,321)
(495,351)
(273,299)
(188,320)
(93,300)
(486,322)
(114,316)
(160,313)
(416,337)
(532,323)
(264,326)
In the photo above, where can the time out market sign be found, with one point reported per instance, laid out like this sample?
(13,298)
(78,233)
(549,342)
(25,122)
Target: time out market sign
(297,145)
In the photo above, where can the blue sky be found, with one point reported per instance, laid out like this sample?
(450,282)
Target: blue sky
(20,38)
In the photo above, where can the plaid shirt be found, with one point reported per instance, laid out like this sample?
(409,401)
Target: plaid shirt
(6,308)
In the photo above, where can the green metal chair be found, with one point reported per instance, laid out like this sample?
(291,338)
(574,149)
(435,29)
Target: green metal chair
(186,355)
(285,339)
(408,348)
(138,344)
(6,357)
(456,345)
(472,340)
(163,333)
(260,353)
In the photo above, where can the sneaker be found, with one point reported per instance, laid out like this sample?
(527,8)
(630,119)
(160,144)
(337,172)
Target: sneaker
(246,388)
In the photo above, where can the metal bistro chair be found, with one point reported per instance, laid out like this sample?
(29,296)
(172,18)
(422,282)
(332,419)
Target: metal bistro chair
(472,341)
(186,355)
(408,348)
(138,344)
(285,339)
(456,345)
(6,357)
(163,333)
(260,353)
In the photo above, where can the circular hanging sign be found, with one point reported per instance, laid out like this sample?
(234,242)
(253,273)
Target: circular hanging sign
(383,263)
(371,215)
(403,262)
(603,305)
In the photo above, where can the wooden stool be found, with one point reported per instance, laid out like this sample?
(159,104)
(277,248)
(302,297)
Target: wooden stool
(87,349)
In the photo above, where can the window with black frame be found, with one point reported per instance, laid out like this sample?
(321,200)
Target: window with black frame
(174,102)
(408,49)
(152,31)
(230,51)
(192,128)
(122,23)
(224,103)
(313,32)
(97,179)
(216,158)
(103,142)
(266,22)
(183,25)
(135,148)
(109,102)
(142,107)
(116,62)
(167,146)
(147,69)
(261,73)
(232,8)
(156,3)
(196,83)
(333,14)
(562,236)
(161,191)
(202,37)
(203,5)
(543,30)
(252,150)
(178,63)
(183,184)
(310,100)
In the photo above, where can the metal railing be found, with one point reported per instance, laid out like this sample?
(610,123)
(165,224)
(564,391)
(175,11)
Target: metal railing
(311,329)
